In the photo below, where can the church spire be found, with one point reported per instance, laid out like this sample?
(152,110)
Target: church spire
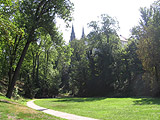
(83,35)
(72,37)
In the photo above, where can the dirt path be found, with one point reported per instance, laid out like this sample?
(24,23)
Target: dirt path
(57,113)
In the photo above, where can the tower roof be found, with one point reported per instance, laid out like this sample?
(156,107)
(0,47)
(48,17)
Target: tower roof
(72,37)
(83,35)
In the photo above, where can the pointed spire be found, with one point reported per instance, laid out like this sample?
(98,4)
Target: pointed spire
(72,37)
(83,35)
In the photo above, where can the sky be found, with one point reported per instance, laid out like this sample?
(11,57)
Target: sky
(125,11)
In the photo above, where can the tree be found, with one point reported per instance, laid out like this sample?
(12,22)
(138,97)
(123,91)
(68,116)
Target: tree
(41,71)
(103,44)
(10,40)
(127,68)
(78,69)
(32,15)
(149,39)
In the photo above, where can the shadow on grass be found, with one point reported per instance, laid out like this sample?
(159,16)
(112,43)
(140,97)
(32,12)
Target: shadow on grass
(78,99)
(147,101)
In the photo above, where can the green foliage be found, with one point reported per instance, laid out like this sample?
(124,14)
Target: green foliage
(91,69)
(24,22)
(96,65)
(42,71)
(78,75)
(127,68)
(10,43)
(103,46)
(99,65)
(149,39)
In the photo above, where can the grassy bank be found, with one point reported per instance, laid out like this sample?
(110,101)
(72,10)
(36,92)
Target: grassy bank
(15,110)
(107,108)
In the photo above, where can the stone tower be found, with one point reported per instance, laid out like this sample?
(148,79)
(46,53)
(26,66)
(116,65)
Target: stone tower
(83,35)
(72,37)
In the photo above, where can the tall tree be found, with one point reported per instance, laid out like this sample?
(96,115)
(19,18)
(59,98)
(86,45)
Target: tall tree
(32,15)
(78,68)
(10,39)
(149,39)
(103,43)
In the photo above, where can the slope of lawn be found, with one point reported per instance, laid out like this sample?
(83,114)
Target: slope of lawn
(9,109)
(107,108)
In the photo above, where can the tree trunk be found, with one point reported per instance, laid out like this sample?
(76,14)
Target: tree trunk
(156,73)
(34,67)
(37,70)
(14,78)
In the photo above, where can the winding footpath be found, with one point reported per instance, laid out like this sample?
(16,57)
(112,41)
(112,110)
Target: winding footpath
(57,113)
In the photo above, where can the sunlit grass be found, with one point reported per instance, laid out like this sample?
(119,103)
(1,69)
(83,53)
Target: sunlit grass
(10,109)
(107,108)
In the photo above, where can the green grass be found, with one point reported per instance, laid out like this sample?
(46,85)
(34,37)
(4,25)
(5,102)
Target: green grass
(107,108)
(13,110)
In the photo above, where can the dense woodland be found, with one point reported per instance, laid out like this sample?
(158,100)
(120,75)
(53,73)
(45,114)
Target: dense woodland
(35,61)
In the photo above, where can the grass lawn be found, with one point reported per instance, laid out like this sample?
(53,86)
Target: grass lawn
(107,108)
(10,109)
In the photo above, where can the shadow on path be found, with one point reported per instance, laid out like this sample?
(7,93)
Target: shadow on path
(42,109)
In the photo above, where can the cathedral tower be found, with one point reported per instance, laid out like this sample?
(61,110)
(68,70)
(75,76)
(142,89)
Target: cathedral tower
(72,37)
(83,35)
